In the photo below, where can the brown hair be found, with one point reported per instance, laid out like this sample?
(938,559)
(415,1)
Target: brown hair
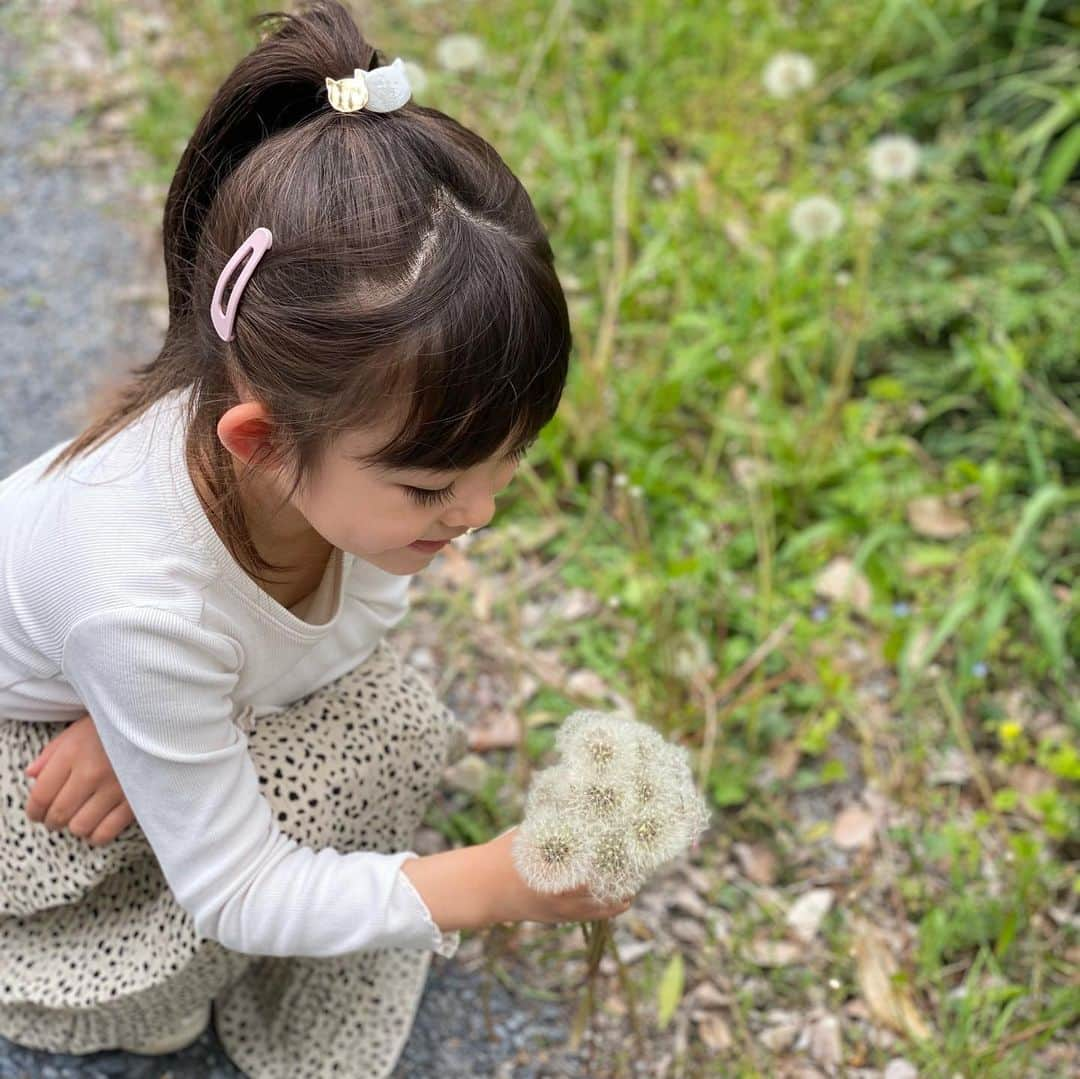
(408,266)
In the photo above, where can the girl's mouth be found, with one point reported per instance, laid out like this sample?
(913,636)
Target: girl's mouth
(428,546)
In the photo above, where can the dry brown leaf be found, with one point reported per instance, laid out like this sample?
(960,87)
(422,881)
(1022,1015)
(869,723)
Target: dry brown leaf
(890,1003)
(774,953)
(714,1032)
(453,567)
(823,1042)
(496,729)
(749,471)
(784,759)
(841,582)
(1029,780)
(737,231)
(685,899)
(689,931)
(780,1038)
(757,862)
(587,683)
(853,827)
(808,912)
(574,604)
(483,595)
(949,767)
(934,517)
(468,774)
(706,995)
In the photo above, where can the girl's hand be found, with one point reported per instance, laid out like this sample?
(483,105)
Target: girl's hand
(515,901)
(75,786)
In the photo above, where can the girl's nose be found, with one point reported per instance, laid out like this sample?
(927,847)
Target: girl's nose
(474,513)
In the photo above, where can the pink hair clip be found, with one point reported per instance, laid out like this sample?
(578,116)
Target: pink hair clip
(256,245)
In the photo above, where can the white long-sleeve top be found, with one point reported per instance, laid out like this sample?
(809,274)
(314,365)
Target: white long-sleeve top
(119,599)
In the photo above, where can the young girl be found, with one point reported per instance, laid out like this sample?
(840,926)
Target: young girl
(366,329)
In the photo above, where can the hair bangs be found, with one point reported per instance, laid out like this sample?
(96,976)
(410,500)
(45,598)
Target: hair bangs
(473,391)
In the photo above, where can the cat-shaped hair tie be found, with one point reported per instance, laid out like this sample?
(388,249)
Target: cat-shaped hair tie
(383,89)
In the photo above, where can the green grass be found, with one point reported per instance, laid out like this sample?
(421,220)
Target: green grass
(927,349)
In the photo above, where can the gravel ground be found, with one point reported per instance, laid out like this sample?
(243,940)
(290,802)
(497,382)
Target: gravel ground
(76,253)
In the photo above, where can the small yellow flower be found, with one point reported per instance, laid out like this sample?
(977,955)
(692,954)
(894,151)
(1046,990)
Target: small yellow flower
(1010,731)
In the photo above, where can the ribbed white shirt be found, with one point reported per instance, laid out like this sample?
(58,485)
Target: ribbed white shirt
(119,599)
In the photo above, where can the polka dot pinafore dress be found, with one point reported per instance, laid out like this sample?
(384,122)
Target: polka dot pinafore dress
(94,950)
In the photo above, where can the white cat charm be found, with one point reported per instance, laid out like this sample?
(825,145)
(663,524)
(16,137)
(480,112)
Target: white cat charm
(383,89)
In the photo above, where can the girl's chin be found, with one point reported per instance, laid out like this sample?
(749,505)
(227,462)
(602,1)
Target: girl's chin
(400,560)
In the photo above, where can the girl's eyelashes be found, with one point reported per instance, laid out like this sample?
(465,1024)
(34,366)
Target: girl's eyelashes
(425,496)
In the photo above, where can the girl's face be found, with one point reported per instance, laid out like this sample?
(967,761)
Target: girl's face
(376,513)
(371,511)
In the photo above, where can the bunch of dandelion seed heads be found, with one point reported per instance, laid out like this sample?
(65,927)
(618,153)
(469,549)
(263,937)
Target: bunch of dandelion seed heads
(620,804)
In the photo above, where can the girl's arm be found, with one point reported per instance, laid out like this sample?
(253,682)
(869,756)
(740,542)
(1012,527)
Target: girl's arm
(160,689)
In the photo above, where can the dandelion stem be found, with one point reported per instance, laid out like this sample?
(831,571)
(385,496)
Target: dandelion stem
(628,993)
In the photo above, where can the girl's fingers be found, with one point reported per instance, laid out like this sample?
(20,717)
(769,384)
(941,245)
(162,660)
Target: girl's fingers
(93,813)
(74,794)
(41,759)
(46,787)
(112,825)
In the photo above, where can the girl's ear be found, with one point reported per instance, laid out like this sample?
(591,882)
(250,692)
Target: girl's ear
(246,430)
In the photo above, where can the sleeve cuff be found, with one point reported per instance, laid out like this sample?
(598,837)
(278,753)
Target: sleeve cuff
(445,944)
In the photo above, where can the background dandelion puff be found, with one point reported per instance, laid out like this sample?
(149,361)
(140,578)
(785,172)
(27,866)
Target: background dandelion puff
(788,73)
(460,52)
(893,158)
(815,218)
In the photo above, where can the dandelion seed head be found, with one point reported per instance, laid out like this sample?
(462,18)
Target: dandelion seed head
(643,788)
(893,158)
(788,73)
(600,748)
(594,742)
(620,803)
(460,52)
(611,873)
(601,800)
(815,218)
(546,790)
(647,829)
(549,853)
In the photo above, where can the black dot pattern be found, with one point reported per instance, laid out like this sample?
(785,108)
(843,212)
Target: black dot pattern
(95,952)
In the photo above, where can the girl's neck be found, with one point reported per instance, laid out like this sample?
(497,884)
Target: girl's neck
(280,536)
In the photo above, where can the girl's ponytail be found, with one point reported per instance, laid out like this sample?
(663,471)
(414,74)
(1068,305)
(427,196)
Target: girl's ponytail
(278,85)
